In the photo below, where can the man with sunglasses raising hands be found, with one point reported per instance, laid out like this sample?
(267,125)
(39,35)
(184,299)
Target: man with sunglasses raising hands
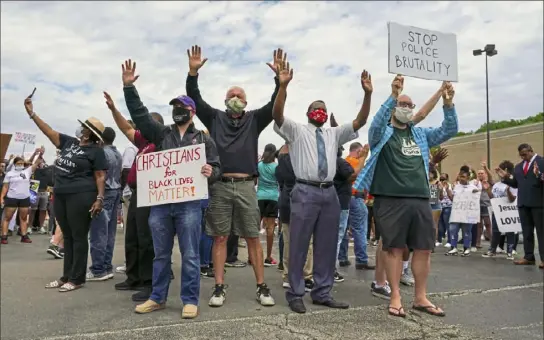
(397,176)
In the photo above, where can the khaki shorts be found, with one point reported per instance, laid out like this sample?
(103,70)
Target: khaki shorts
(233,206)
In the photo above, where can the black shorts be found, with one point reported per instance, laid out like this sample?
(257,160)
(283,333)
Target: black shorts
(404,222)
(16,203)
(268,208)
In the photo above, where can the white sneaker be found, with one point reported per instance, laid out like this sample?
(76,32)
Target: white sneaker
(473,249)
(514,252)
(218,296)
(437,244)
(91,277)
(43,231)
(466,253)
(407,279)
(264,297)
(447,245)
(286,285)
(453,252)
(121,269)
(500,250)
(482,238)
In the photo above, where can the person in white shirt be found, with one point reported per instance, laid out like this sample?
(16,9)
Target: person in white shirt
(129,155)
(16,196)
(502,190)
(462,186)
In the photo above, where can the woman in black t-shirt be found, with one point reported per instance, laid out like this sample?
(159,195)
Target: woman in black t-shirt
(79,192)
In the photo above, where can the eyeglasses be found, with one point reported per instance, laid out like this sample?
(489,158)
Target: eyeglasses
(408,105)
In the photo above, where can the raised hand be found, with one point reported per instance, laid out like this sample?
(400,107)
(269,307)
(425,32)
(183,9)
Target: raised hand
(500,172)
(278,57)
(28,106)
(333,121)
(439,156)
(448,93)
(285,73)
(129,72)
(109,101)
(195,59)
(484,165)
(364,151)
(397,85)
(366,81)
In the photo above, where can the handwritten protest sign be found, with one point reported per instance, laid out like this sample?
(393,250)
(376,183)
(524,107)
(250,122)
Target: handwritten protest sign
(434,194)
(465,207)
(420,53)
(506,215)
(171,176)
(25,138)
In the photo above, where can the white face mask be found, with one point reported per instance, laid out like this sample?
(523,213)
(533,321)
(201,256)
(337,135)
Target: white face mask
(79,132)
(19,167)
(403,114)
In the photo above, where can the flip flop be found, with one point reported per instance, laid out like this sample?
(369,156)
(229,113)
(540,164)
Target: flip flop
(429,310)
(400,311)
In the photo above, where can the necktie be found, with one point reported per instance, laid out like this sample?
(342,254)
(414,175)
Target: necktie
(322,167)
(526,168)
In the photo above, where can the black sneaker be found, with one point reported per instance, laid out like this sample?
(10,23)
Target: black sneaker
(308,285)
(338,278)
(263,295)
(142,295)
(127,286)
(235,264)
(280,266)
(346,263)
(207,272)
(381,292)
(54,250)
(218,296)
(61,253)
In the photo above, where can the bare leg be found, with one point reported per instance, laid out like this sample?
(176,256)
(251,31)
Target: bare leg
(31,216)
(269,223)
(219,256)
(487,223)
(436,219)
(41,217)
(23,223)
(421,265)
(8,215)
(393,268)
(379,274)
(255,252)
(58,238)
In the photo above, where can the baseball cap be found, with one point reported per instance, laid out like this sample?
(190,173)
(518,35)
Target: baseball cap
(185,100)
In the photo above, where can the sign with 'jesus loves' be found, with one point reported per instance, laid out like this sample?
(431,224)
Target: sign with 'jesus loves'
(171,176)
(420,53)
(506,214)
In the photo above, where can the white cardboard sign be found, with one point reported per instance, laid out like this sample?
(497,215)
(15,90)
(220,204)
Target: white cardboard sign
(506,214)
(421,53)
(25,138)
(465,207)
(171,176)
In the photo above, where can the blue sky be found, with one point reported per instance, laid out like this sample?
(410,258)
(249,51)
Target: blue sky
(72,51)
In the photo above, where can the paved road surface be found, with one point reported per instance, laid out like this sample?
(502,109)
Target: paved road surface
(484,299)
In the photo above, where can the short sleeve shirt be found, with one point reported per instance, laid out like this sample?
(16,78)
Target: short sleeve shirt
(18,183)
(75,166)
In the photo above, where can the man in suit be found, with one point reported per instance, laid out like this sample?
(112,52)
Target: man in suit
(530,202)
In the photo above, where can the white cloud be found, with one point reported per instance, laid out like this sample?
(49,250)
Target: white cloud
(71,51)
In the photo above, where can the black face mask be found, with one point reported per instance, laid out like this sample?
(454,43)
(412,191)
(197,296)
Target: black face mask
(180,115)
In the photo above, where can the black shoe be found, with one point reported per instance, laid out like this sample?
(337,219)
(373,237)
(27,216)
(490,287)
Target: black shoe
(308,285)
(127,286)
(363,266)
(381,292)
(55,251)
(280,266)
(142,295)
(207,272)
(332,304)
(338,278)
(297,306)
(346,263)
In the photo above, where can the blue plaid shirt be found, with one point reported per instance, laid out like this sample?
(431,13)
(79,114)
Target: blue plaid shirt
(381,130)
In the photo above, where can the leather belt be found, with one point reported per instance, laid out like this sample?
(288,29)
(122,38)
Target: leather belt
(315,184)
(236,179)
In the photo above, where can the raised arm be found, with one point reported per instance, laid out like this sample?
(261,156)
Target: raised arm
(450,125)
(285,74)
(37,162)
(151,130)
(120,121)
(382,117)
(429,105)
(362,116)
(43,126)
(204,111)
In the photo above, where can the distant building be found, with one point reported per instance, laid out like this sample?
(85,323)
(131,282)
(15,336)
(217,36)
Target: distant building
(472,149)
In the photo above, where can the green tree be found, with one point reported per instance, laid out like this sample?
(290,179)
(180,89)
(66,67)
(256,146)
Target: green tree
(503,124)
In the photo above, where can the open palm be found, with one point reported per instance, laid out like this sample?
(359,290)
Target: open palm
(195,58)
(129,72)
(285,73)
(278,57)
(366,81)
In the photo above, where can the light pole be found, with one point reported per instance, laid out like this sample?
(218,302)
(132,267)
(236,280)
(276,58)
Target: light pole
(490,51)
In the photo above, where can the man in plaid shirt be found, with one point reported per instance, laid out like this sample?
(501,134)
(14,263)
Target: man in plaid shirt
(397,176)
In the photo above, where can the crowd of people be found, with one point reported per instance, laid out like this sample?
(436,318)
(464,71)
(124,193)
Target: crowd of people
(388,193)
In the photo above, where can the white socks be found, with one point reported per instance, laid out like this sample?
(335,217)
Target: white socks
(405,265)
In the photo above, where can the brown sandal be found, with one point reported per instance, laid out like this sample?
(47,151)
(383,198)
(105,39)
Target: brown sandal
(429,310)
(400,312)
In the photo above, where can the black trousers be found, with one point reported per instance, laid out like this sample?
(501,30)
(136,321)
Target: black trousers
(72,214)
(232,248)
(139,253)
(531,219)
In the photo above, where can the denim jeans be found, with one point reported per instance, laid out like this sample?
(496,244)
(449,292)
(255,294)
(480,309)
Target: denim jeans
(496,237)
(206,243)
(344,215)
(444,224)
(280,246)
(358,220)
(467,234)
(102,234)
(166,221)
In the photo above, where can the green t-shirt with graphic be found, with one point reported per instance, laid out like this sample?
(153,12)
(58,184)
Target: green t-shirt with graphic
(400,171)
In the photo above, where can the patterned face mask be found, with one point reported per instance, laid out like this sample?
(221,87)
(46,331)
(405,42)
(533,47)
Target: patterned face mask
(318,116)
(235,105)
